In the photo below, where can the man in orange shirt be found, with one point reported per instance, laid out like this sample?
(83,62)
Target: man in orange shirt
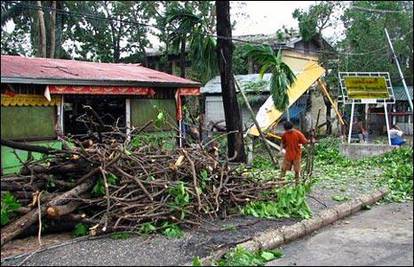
(292,141)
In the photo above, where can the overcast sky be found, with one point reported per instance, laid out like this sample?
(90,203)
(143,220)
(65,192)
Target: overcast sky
(268,16)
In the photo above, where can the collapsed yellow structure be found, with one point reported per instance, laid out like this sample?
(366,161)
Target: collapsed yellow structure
(268,115)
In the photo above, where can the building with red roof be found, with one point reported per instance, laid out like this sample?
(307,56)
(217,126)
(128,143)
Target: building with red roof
(42,98)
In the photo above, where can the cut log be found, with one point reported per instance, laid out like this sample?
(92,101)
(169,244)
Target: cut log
(54,212)
(15,228)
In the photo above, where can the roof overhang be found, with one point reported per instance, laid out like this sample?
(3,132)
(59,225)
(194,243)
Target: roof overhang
(94,82)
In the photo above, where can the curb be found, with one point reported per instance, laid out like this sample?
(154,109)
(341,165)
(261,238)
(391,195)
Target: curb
(275,238)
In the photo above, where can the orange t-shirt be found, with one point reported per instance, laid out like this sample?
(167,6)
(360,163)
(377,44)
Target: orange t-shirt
(291,140)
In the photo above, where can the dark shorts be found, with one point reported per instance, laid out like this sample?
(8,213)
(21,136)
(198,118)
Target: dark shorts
(287,165)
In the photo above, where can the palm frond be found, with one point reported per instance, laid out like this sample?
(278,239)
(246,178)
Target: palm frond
(282,76)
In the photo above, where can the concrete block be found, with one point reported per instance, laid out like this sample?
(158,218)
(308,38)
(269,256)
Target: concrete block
(359,151)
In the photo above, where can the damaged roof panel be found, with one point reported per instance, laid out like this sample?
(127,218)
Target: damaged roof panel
(16,69)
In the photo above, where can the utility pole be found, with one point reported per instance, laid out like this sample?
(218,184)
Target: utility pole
(399,69)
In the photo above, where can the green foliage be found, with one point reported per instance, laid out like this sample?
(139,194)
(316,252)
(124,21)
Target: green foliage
(147,228)
(99,188)
(396,166)
(282,76)
(327,150)
(166,139)
(239,61)
(254,92)
(291,202)
(262,162)
(80,230)
(204,178)
(180,194)
(398,173)
(120,235)
(185,25)
(239,256)
(8,205)
(315,19)
(181,198)
(196,261)
(171,230)
(340,198)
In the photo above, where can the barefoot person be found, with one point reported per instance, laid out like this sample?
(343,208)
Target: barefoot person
(292,141)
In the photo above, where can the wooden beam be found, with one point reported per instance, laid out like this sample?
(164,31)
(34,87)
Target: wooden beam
(324,90)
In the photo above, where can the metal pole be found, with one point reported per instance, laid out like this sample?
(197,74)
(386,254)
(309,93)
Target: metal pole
(351,121)
(180,135)
(386,120)
(399,70)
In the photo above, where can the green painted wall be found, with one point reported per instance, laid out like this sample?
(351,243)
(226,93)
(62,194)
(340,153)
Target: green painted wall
(27,122)
(11,164)
(142,111)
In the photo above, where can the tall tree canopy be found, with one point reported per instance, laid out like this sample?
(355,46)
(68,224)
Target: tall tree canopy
(366,41)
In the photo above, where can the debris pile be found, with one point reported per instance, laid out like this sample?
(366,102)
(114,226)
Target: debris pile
(114,184)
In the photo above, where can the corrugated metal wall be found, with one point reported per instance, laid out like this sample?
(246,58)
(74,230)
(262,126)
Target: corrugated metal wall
(28,122)
(144,110)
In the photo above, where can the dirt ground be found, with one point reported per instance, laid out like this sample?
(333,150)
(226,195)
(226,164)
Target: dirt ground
(30,244)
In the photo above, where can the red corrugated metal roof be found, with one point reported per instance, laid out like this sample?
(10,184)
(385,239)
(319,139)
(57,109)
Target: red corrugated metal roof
(60,71)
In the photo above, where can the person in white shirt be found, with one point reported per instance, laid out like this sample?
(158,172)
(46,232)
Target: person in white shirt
(396,136)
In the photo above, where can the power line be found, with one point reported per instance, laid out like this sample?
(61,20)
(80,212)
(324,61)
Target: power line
(280,46)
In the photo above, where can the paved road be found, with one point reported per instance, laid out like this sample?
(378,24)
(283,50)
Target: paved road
(380,236)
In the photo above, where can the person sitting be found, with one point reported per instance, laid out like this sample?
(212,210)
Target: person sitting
(396,136)
(359,129)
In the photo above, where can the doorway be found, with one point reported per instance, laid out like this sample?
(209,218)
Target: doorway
(111,109)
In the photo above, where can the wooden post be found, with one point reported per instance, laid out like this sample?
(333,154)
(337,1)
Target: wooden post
(326,93)
(128,117)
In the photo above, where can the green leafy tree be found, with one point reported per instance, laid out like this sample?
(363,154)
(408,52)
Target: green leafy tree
(282,76)
(366,41)
(311,25)
(117,28)
(36,19)
(191,24)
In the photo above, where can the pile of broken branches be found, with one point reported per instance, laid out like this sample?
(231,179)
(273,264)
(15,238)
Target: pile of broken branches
(120,186)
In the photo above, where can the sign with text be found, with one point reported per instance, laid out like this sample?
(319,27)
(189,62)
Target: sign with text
(360,87)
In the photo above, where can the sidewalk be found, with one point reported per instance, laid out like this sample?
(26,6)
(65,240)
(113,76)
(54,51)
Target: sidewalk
(380,236)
